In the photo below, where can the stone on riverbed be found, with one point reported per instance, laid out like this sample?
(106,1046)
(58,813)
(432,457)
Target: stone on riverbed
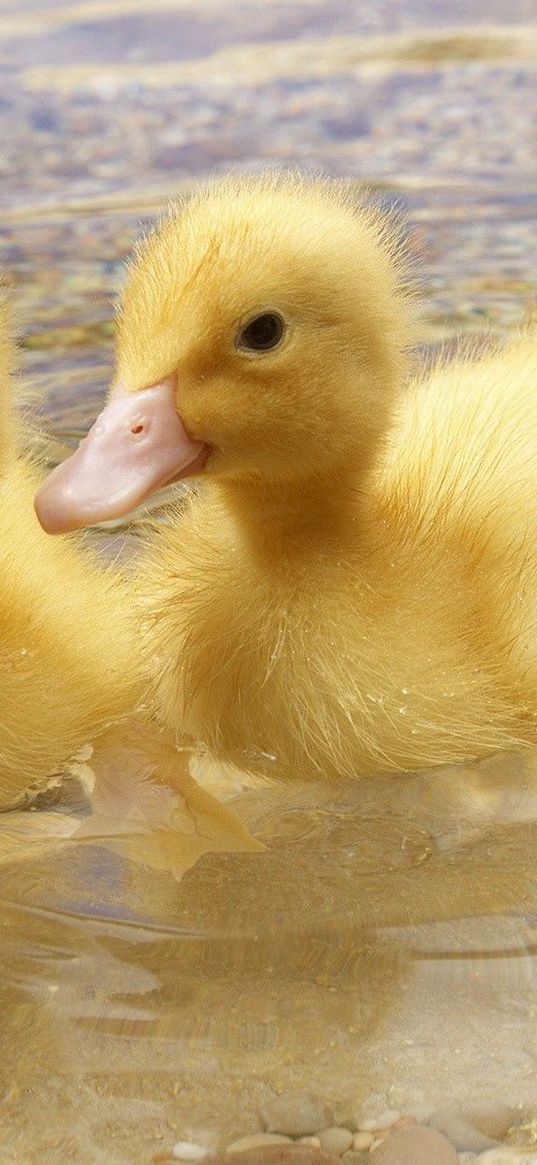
(189,1151)
(257,1141)
(414,1145)
(336,1140)
(295,1113)
(473,1130)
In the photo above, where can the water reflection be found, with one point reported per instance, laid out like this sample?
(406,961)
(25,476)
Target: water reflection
(381,949)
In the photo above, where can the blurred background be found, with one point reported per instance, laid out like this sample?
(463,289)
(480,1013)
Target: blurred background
(110,107)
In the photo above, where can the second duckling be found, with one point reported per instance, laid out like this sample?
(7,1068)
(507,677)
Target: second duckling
(68,657)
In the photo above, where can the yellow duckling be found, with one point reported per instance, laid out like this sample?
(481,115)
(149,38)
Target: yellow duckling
(67,656)
(353,587)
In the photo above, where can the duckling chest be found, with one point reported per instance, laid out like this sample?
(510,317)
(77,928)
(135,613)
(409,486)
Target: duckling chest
(226,660)
(271,675)
(311,672)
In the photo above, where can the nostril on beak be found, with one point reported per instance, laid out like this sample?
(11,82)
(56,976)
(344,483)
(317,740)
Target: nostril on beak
(138,425)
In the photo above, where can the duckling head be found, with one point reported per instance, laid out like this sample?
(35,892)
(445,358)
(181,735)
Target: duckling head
(261,336)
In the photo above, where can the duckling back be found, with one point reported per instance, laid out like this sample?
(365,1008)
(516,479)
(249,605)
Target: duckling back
(460,476)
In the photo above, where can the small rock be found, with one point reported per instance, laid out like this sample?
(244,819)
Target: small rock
(309,1141)
(383,1121)
(414,1145)
(257,1141)
(472,1131)
(362,1141)
(336,1140)
(295,1113)
(189,1151)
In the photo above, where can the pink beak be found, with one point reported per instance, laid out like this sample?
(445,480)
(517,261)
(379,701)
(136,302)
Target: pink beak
(137,445)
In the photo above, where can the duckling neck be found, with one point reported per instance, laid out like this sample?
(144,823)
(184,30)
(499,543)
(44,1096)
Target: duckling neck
(284,517)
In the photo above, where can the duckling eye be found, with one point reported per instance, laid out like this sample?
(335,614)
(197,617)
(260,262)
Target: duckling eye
(262,333)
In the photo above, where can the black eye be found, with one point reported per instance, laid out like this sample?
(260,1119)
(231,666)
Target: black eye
(262,333)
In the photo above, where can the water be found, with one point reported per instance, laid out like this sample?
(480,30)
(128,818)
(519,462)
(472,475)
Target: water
(382,949)
(381,952)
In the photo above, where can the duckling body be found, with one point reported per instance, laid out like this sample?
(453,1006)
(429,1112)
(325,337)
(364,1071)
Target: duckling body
(352,588)
(67,656)
(360,633)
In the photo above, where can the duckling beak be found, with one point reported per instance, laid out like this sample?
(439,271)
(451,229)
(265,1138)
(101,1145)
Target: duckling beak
(137,445)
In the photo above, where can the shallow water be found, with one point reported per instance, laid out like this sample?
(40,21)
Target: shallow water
(382,950)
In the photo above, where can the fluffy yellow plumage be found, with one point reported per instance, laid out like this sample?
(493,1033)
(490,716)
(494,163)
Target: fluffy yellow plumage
(353,586)
(66,652)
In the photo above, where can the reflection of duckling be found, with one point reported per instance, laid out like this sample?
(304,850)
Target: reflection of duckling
(67,658)
(353,587)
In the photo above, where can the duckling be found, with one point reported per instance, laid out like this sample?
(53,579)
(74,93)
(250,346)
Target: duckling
(352,586)
(67,654)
